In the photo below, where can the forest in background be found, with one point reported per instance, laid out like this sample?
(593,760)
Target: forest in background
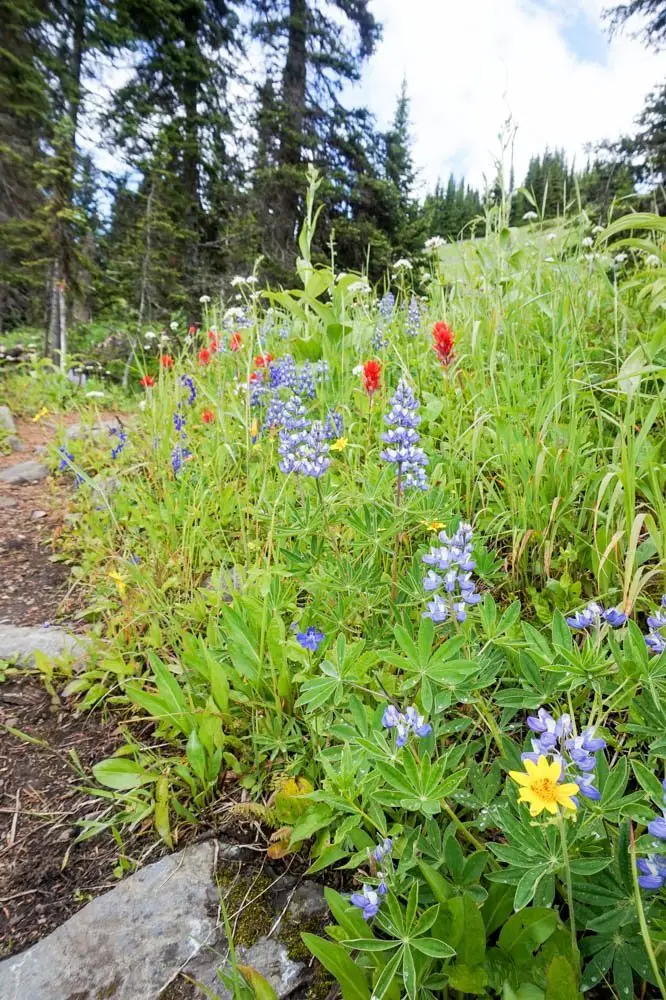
(218,110)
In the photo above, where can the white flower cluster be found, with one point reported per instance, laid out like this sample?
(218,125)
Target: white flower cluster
(434,243)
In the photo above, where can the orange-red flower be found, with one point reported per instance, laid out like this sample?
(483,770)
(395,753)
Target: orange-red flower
(192,330)
(213,340)
(263,360)
(208,417)
(371,373)
(166,361)
(147,381)
(235,342)
(443,341)
(204,356)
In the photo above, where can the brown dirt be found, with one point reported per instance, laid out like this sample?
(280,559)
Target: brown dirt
(44,878)
(35,587)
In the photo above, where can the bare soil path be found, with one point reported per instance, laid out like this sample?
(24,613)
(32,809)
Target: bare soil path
(44,876)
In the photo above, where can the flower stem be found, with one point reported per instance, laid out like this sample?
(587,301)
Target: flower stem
(567,881)
(645,931)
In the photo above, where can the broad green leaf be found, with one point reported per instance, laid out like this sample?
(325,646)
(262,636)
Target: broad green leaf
(122,774)
(335,959)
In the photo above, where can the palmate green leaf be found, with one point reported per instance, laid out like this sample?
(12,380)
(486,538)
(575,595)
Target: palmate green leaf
(527,887)
(387,976)
(349,976)
(318,692)
(440,888)
(432,947)
(648,780)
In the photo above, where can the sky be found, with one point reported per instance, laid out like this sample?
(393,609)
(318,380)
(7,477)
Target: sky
(470,64)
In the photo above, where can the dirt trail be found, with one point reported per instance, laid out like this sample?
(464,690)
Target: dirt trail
(43,877)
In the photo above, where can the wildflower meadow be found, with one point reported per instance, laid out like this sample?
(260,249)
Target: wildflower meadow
(382,568)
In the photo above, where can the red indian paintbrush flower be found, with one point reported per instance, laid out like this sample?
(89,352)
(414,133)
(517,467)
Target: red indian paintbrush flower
(371,372)
(147,381)
(204,356)
(263,360)
(443,340)
(235,342)
(166,361)
(208,417)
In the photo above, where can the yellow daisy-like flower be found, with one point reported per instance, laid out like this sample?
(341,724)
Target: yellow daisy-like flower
(433,525)
(339,445)
(119,582)
(540,789)
(38,416)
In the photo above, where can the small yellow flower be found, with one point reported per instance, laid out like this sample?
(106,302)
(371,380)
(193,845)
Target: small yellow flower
(42,413)
(540,789)
(339,445)
(433,525)
(254,430)
(119,582)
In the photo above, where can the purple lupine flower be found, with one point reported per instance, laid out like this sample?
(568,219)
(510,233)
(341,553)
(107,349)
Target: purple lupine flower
(178,420)
(65,458)
(615,618)
(454,561)
(321,371)
(417,723)
(658,620)
(405,723)
(178,456)
(306,382)
(654,871)
(383,850)
(120,434)
(655,642)
(657,828)
(333,425)
(283,373)
(368,901)
(402,439)
(303,447)
(188,382)
(311,639)
(413,317)
(592,616)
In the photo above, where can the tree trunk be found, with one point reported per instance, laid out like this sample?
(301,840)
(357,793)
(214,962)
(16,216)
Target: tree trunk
(291,139)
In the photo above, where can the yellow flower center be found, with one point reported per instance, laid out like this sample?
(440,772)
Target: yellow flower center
(545,789)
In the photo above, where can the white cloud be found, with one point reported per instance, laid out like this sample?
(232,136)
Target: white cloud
(471,63)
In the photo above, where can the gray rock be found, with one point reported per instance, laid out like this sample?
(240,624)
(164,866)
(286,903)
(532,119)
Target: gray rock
(7,420)
(100,429)
(16,444)
(269,957)
(307,901)
(24,472)
(7,502)
(19,645)
(127,944)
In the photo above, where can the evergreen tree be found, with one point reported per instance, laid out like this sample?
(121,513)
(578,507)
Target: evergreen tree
(312,52)
(176,105)
(652,12)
